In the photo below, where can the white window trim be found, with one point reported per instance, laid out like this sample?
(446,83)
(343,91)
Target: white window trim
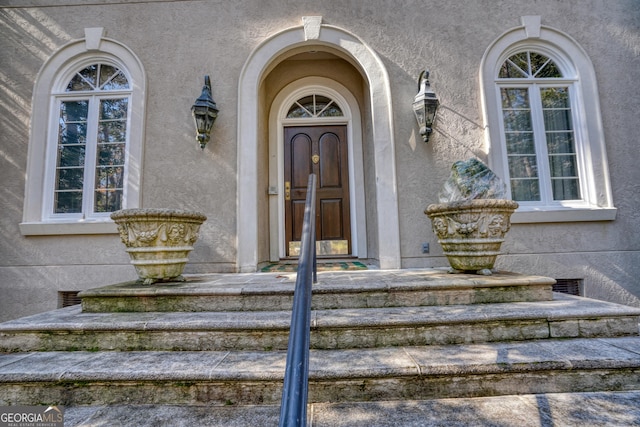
(598,202)
(93,48)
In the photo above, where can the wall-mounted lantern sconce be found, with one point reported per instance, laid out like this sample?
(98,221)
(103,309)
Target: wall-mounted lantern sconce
(425,105)
(204,113)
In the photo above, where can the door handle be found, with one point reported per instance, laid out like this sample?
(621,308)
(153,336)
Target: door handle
(287,190)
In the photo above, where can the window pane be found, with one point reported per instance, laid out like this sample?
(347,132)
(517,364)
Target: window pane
(106,72)
(72,133)
(560,142)
(332,111)
(549,71)
(565,189)
(517,120)
(563,166)
(515,98)
(520,143)
(113,109)
(521,60)
(112,131)
(109,177)
(72,128)
(68,202)
(70,155)
(510,71)
(78,83)
(542,66)
(90,74)
(555,97)
(297,112)
(557,120)
(119,81)
(523,167)
(69,178)
(85,79)
(320,103)
(111,78)
(108,193)
(525,190)
(74,111)
(307,102)
(111,154)
(108,200)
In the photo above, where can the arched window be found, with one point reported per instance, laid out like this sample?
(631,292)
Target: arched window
(314,106)
(92,130)
(86,140)
(543,138)
(537,123)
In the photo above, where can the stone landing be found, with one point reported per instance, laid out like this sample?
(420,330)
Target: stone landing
(334,290)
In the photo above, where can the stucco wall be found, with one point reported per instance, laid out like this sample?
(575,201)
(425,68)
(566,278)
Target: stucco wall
(180,42)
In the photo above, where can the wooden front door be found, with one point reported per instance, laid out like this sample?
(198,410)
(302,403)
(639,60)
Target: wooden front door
(321,150)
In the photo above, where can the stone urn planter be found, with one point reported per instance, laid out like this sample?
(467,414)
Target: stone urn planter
(472,231)
(472,217)
(158,241)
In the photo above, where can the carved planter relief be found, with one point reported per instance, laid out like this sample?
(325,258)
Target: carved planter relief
(472,231)
(158,241)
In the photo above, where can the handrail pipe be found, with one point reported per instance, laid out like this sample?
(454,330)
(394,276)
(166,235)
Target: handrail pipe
(293,409)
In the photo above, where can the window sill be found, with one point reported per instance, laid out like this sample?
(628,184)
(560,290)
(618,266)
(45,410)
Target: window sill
(532,215)
(67,228)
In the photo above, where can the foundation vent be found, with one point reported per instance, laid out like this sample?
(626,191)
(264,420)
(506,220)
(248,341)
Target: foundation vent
(68,298)
(568,286)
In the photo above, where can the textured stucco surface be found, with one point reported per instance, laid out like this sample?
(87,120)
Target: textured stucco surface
(180,41)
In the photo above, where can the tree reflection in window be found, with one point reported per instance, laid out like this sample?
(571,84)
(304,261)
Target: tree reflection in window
(92,138)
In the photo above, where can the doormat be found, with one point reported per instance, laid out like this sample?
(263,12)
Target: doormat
(322,266)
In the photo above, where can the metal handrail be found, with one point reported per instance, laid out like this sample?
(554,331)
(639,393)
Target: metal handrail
(293,409)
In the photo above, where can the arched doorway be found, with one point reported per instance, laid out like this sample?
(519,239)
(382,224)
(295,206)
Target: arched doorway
(318,110)
(252,229)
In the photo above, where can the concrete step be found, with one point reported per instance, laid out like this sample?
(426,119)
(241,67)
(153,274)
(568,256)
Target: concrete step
(334,290)
(354,375)
(70,329)
(529,410)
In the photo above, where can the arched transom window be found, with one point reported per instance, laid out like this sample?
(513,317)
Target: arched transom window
(92,134)
(538,127)
(314,106)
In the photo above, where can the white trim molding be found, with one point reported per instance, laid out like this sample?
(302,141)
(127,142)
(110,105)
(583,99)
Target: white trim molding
(597,203)
(379,94)
(94,47)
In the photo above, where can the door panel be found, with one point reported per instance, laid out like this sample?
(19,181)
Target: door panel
(301,154)
(330,223)
(321,150)
(329,147)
